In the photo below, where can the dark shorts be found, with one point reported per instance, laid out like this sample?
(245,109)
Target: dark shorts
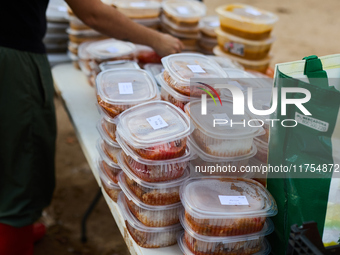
(27,136)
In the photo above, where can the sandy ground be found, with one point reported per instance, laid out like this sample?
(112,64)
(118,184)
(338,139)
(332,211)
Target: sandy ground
(306,27)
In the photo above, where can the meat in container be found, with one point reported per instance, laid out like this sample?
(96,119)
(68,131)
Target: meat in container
(246,21)
(155,130)
(153,170)
(108,124)
(139,9)
(153,193)
(220,132)
(144,236)
(108,179)
(184,13)
(109,146)
(226,206)
(180,68)
(221,247)
(207,26)
(170,95)
(110,169)
(118,90)
(118,64)
(149,215)
(243,48)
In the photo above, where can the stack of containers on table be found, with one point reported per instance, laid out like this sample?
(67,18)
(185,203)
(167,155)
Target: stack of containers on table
(91,54)
(208,37)
(145,13)
(154,162)
(225,216)
(245,35)
(179,69)
(117,90)
(181,19)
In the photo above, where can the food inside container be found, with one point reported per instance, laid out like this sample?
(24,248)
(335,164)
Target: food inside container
(154,170)
(80,36)
(155,130)
(108,183)
(107,161)
(110,147)
(170,95)
(184,13)
(153,193)
(185,31)
(222,139)
(137,9)
(207,26)
(248,49)
(226,206)
(108,124)
(149,215)
(118,90)
(144,236)
(118,64)
(251,65)
(180,68)
(244,247)
(242,244)
(73,48)
(110,169)
(262,150)
(246,21)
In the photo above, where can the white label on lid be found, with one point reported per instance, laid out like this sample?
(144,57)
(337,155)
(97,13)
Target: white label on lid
(235,48)
(233,200)
(137,4)
(157,122)
(62,8)
(112,49)
(182,10)
(125,88)
(252,11)
(236,84)
(196,68)
(214,24)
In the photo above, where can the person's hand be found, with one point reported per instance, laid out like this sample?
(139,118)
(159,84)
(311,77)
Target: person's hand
(166,44)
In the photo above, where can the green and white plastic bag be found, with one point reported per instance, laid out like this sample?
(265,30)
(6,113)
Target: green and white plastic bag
(312,193)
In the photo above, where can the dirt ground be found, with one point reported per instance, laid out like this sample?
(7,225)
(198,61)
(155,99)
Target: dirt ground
(306,27)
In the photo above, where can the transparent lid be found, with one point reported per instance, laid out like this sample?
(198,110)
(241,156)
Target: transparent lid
(226,62)
(171,91)
(153,123)
(226,198)
(154,69)
(118,64)
(261,99)
(104,134)
(205,123)
(178,28)
(105,177)
(132,197)
(126,86)
(247,13)
(136,224)
(184,9)
(103,156)
(110,48)
(82,33)
(137,4)
(210,23)
(184,66)
(82,50)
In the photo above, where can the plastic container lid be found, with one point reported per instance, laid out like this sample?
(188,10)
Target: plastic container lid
(262,101)
(154,69)
(208,25)
(118,64)
(136,224)
(153,123)
(205,123)
(184,66)
(103,155)
(207,198)
(135,4)
(126,86)
(82,50)
(184,9)
(178,28)
(105,136)
(105,178)
(110,48)
(171,91)
(226,62)
(83,33)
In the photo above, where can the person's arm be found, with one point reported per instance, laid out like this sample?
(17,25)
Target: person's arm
(111,22)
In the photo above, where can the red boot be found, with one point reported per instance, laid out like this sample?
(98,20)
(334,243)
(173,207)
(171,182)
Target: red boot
(16,241)
(39,230)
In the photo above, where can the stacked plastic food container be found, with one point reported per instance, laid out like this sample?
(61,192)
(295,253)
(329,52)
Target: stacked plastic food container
(154,159)
(245,35)
(225,216)
(208,37)
(181,19)
(117,90)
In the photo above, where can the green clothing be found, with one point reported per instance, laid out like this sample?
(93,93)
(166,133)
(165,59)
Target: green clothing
(27,136)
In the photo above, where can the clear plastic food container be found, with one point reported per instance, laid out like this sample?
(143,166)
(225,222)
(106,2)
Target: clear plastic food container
(108,124)
(243,244)
(224,248)
(243,48)
(110,187)
(155,130)
(149,215)
(154,170)
(226,62)
(170,95)
(73,48)
(182,35)
(153,193)
(106,158)
(185,31)
(226,206)
(223,140)
(118,64)
(208,24)
(150,23)
(184,13)
(262,150)
(147,237)
(180,68)
(109,146)
(110,169)
(154,69)
(252,65)
(118,90)
(246,21)
(80,36)
(207,43)
(139,9)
